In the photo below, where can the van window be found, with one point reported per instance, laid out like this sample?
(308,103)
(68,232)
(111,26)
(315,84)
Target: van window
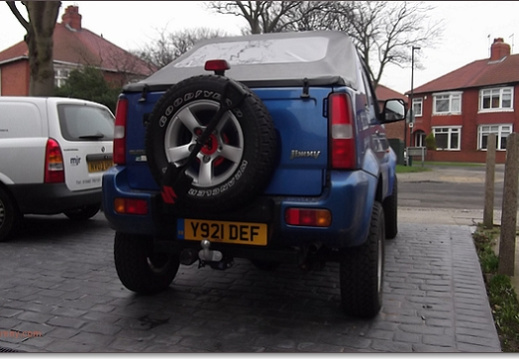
(85,123)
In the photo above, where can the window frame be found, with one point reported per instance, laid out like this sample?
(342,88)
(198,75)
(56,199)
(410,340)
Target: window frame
(500,91)
(499,133)
(417,101)
(452,95)
(419,138)
(450,131)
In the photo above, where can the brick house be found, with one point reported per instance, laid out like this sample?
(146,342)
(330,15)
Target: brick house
(74,47)
(393,130)
(465,106)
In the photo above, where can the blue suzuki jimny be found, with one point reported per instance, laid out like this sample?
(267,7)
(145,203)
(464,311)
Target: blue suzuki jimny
(264,147)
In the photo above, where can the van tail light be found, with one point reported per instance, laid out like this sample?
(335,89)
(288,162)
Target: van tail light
(54,168)
(342,132)
(121,113)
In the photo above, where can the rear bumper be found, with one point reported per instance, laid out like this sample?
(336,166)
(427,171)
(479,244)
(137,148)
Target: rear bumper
(349,197)
(47,199)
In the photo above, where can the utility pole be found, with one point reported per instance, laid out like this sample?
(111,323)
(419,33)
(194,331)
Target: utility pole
(411,108)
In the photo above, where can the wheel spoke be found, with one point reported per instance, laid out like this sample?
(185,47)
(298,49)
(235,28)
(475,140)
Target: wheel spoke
(178,153)
(205,176)
(223,120)
(188,119)
(231,153)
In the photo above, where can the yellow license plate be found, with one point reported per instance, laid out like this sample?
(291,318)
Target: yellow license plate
(229,232)
(99,165)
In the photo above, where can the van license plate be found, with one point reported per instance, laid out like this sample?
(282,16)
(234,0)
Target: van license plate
(99,165)
(229,232)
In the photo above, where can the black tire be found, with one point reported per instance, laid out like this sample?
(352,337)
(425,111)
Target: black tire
(139,269)
(266,265)
(235,164)
(391,212)
(362,271)
(83,213)
(9,216)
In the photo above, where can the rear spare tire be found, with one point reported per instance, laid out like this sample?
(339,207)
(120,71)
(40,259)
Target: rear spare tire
(236,162)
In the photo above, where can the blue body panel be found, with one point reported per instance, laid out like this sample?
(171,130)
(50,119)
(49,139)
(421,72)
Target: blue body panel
(301,179)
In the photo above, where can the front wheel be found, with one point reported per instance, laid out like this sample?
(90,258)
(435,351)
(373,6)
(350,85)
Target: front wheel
(362,269)
(139,268)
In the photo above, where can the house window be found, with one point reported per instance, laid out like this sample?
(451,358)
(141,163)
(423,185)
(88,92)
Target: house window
(501,132)
(496,99)
(417,107)
(447,103)
(447,138)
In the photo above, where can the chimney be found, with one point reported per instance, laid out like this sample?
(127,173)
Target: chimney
(499,50)
(72,18)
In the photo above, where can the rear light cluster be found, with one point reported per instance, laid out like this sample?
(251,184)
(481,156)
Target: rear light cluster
(308,217)
(130,206)
(54,169)
(342,131)
(121,113)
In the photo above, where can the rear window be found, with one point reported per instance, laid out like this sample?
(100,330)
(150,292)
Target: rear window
(272,51)
(85,123)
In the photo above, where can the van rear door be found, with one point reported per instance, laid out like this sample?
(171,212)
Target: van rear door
(85,135)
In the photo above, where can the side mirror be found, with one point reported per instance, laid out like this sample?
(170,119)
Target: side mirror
(394,110)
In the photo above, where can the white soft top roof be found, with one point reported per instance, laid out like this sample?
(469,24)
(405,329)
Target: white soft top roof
(274,58)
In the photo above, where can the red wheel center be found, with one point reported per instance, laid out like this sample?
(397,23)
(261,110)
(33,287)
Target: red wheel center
(210,146)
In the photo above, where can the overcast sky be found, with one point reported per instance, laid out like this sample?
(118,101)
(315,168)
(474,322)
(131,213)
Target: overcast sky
(469,29)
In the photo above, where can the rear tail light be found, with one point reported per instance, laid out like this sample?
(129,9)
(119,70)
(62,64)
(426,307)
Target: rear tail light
(308,217)
(342,131)
(54,168)
(121,113)
(130,206)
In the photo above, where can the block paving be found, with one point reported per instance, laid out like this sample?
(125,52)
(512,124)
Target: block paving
(59,292)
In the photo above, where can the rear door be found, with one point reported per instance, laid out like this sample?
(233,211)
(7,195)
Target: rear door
(84,131)
(303,133)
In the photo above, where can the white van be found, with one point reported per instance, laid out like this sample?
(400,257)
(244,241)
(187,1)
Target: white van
(53,152)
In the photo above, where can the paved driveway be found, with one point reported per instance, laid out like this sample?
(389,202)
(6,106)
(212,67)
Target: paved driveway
(59,293)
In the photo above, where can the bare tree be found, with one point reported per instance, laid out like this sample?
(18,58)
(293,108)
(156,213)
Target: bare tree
(170,46)
(270,16)
(40,28)
(383,31)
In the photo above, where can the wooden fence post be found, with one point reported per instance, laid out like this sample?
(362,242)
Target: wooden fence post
(488,214)
(509,214)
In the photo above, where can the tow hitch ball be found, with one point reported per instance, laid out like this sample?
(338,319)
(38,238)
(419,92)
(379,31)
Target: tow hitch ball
(213,258)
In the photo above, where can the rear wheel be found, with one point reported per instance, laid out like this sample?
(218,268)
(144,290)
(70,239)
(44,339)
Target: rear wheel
(391,212)
(362,270)
(9,215)
(83,213)
(139,268)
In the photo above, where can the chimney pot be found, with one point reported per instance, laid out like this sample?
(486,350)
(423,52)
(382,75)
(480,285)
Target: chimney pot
(499,49)
(72,17)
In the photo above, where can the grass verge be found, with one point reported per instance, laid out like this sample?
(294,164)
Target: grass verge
(456,164)
(401,169)
(501,294)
